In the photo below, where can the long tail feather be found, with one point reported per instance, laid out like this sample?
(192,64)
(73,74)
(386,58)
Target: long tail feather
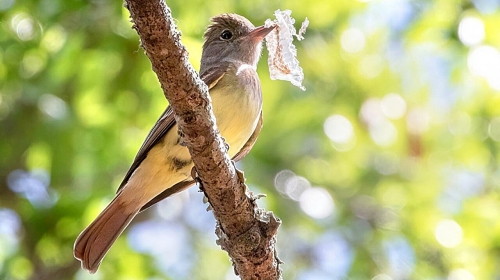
(94,242)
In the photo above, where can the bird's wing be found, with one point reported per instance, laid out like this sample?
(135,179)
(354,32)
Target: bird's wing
(161,127)
(167,121)
(213,75)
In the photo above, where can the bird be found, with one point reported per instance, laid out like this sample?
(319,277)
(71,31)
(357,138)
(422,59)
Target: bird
(162,167)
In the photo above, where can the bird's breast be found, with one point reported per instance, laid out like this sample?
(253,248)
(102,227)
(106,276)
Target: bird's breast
(237,102)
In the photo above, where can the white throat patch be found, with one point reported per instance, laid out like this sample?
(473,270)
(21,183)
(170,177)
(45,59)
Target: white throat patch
(243,67)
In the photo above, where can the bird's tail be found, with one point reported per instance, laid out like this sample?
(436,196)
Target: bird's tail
(94,242)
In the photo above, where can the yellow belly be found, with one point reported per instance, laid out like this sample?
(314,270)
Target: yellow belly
(236,119)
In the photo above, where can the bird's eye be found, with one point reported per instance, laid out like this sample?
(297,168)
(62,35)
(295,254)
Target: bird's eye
(226,35)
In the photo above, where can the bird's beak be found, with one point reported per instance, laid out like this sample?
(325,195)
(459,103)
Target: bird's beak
(259,33)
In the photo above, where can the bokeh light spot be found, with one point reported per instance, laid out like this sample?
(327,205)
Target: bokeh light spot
(484,61)
(471,30)
(53,106)
(371,111)
(54,39)
(339,129)
(317,203)
(448,233)
(494,129)
(290,185)
(352,40)
(33,62)
(393,106)
(383,133)
(481,60)
(295,186)
(281,178)
(24,26)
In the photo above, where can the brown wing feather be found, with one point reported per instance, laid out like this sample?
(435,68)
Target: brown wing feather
(161,127)
(213,75)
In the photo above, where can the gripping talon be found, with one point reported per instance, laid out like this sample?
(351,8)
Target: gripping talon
(194,175)
(226,145)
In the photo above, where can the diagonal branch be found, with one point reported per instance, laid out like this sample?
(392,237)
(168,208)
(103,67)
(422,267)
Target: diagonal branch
(246,232)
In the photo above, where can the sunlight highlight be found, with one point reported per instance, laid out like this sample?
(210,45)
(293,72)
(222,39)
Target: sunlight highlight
(471,31)
(448,233)
(393,106)
(23,26)
(339,129)
(53,106)
(484,61)
(317,203)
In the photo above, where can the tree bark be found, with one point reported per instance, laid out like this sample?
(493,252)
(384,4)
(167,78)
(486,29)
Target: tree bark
(245,231)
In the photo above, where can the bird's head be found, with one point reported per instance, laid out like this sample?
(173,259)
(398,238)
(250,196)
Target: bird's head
(233,37)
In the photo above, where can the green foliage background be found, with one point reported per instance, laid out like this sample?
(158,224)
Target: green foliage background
(412,196)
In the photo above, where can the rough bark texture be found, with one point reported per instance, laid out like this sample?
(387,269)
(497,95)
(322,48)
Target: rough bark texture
(246,232)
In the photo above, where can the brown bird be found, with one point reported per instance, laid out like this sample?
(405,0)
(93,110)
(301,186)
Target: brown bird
(163,165)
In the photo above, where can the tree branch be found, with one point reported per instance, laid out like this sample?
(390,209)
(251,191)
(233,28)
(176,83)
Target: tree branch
(246,232)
